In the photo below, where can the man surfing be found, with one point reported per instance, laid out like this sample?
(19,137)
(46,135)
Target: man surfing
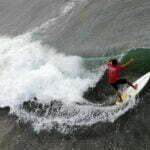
(113,71)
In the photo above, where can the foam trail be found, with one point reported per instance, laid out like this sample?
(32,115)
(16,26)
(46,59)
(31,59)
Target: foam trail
(76,115)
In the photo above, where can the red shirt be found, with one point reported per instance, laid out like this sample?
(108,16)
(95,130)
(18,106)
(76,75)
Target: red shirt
(114,72)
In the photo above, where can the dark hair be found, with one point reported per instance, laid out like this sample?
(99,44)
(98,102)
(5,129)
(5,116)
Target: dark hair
(114,61)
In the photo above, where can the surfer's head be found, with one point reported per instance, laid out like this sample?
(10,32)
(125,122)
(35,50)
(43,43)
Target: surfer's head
(114,61)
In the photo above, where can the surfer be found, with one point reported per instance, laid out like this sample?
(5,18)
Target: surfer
(113,71)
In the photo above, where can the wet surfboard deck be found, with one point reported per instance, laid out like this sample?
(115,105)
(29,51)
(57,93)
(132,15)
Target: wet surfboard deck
(131,92)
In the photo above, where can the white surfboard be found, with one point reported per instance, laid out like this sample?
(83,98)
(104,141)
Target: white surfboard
(131,92)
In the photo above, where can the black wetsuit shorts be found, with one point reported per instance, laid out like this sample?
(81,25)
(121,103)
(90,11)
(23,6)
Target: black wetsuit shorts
(120,81)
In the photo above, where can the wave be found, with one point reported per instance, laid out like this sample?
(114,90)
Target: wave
(51,67)
(47,88)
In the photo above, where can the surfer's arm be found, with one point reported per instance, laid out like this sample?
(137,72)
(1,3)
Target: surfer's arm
(129,62)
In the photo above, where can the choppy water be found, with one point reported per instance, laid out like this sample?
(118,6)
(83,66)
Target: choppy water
(53,90)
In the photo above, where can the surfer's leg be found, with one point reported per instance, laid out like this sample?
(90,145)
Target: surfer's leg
(115,86)
(124,81)
(130,83)
(119,95)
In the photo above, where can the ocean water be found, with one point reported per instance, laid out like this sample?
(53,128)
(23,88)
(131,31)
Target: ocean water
(53,88)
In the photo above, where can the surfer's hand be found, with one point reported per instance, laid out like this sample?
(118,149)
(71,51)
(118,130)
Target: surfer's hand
(129,62)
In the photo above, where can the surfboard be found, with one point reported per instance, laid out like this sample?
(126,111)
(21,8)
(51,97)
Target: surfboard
(131,92)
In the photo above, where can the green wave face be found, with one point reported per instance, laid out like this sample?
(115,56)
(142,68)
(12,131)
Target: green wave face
(141,65)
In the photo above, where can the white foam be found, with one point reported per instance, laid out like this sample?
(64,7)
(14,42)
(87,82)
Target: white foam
(78,115)
(68,7)
(30,69)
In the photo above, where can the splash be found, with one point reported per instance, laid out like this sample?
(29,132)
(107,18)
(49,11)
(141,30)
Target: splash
(30,69)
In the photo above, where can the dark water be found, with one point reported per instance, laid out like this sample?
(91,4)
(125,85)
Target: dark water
(97,31)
